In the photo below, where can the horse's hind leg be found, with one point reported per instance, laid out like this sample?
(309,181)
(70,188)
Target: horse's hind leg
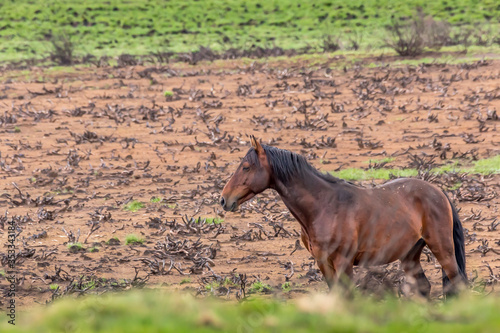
(445,254)
(411,265)
(440,242)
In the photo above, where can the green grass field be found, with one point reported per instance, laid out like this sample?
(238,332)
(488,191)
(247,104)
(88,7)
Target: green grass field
(153,311)
(142,27)
(485,167)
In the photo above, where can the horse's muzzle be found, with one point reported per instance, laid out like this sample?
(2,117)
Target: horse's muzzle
(226,206)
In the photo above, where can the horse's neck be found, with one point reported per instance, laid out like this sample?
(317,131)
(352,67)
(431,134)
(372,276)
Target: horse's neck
(303,198)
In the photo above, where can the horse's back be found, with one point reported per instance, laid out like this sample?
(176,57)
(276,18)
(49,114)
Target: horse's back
(416,191)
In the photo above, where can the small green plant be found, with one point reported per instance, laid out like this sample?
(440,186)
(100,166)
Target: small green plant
(210,220)
(89,285)
(66,191)
(2,273)
(93,249)
(212,286)
(228,283)
(17,129)
(185,280)
(286,287)
(155,199)
(133,206)
(455,186)
(54,286)
(168,93)
(260,287)
(172,206)
(133,239)
(120,283)
(113,241)
(75,247)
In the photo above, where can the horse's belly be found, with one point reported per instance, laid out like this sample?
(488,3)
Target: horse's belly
(387,251)
(386,234)
(371,259)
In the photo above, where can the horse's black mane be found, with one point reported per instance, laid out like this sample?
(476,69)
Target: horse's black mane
(286,165)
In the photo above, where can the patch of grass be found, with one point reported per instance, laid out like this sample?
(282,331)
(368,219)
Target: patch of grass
(93,249)
(228,283)
(382,160)
(134,206)
(456,186)
(360,174)
(487,166)
(159,311)
(286,287)
(484,167)
(139,27)
(54,286)
(113,240)
(17,129)
(2,273)
(185,280)
(168,93)
(212,286)
(75,247)
(133,239)
(155,199)
(210,220)
(172,206)
(260,287)
(89,284)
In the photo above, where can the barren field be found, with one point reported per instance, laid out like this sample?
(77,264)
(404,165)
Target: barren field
(90,156)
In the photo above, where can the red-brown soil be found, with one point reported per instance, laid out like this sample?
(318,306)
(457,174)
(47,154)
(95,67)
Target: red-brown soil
(80,145)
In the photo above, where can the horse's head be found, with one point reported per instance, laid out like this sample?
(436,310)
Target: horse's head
(252,177)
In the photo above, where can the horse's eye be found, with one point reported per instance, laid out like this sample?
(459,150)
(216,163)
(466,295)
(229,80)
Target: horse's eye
(246,168)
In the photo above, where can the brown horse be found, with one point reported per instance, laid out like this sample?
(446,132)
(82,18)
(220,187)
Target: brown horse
(345,225)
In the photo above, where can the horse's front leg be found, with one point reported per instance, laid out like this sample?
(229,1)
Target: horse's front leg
(328,271)
(344,270)
(339,269)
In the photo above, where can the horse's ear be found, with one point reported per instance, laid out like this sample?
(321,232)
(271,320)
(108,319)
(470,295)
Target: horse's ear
(256,145)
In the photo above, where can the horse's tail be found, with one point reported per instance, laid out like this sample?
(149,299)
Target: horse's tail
(459,243)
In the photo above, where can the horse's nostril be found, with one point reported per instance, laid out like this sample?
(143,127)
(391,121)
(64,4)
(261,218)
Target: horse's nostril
(222,202)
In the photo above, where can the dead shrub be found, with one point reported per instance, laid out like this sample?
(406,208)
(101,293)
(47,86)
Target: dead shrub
(406,39)
(412,37)
(436,34)
(63,48)
(355,40)
(330,43)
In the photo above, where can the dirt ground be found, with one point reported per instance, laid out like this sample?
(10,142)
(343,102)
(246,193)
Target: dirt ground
(77,146)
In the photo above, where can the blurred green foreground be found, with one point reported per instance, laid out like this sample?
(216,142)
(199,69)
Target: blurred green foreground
(157,311)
